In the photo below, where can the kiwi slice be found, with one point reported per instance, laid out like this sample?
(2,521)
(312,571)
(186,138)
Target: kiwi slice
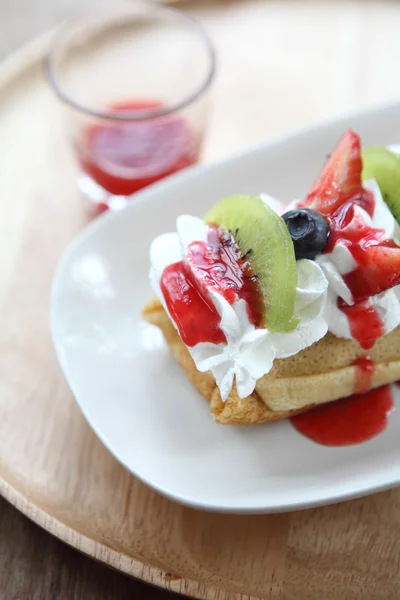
(383,165)
(263,237)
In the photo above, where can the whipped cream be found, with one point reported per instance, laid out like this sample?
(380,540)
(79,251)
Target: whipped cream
(340,261)
(248,353)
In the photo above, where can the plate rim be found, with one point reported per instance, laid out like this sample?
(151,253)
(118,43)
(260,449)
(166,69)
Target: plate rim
(140,198)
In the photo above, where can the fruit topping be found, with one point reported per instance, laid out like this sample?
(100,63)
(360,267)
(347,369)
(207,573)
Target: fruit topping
(264,241)
(340,178)
(378,270)
(383,165)
(218,264)
(195,315)
(309,231)
(339,195)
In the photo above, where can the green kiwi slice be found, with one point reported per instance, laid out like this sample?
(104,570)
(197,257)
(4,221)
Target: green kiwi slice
(383,165)
(262,236)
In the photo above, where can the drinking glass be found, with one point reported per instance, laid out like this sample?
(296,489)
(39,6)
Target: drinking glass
(134,81)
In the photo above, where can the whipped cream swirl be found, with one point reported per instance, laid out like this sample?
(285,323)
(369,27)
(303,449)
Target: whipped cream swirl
(248,353)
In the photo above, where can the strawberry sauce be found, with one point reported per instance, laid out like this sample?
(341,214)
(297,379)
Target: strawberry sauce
(375,270)
(196,317)
(125,156)
(349,421)
(217,265)
(364,372)
(378,259)
(366,325)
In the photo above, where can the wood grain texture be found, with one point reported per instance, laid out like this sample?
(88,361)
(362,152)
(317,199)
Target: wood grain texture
(36,566)
(282,64)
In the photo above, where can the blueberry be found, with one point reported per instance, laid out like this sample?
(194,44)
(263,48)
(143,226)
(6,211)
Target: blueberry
(309,231)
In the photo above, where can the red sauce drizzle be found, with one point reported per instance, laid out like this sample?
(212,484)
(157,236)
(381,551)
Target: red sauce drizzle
(365,322)
(349,421)
(364,372)
(217,264)
(125,156)
(196,317)
(365,243)
(366,200)
(378,266)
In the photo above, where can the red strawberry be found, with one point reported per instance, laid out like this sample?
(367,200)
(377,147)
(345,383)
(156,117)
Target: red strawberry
(378,270)
(340,178)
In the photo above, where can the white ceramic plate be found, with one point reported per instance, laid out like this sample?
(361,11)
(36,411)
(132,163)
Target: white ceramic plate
(133,393)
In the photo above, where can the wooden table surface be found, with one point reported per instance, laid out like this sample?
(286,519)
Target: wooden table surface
(34,565)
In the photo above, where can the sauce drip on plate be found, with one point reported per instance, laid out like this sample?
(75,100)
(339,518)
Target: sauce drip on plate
(349,421)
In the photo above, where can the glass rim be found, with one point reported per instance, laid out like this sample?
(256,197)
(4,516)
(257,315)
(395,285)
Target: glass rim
(141,114)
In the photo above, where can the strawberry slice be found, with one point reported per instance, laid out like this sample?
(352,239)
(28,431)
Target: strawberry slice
(378,270)
(340,178)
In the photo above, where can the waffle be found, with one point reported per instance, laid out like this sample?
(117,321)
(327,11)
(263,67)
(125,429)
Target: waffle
(320,373)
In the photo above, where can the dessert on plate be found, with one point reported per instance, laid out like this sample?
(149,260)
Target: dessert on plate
(273,309)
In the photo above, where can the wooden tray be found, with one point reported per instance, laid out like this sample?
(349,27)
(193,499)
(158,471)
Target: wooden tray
(52,467)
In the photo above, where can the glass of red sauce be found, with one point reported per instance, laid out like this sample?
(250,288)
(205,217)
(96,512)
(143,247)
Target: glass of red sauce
(134,81)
